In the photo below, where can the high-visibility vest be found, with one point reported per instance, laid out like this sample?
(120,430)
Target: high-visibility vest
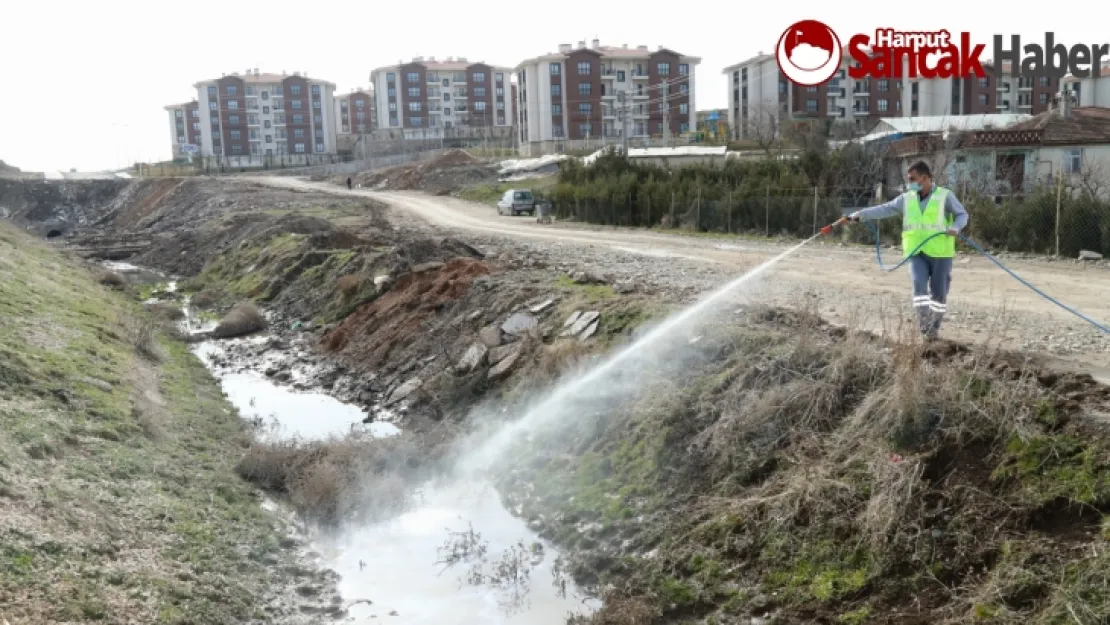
(918,225)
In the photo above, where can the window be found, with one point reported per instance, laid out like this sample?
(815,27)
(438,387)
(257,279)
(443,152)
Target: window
(416,121)
(984,83)
(1073,161)
(447,97)
(501,120)
(685,88)
(684,109)
(317,119)
(1045,81)
(180,139)
(811,106)
(555,69)
(479,106)
(683,69)
(211,92)
(265,95)
(295,103)
(884,85)
(392,121)
(233,119)
(279,118)
(446,82)
(584,88)
(414,107)
(298,133)
(235,134)
(179,114)
(585,129)
(500,105)
(250,90)
(499,77)
(479,77)
(412,77)
(265,110)
(556,109)
(393,106)
(883,105)
(233,105)
(360,104)
(196,126)
(392,92)
(294,90)
(196,113)
(253,134)
(298,148)
(811,89)
(984,99)
(414,92)
(500,91)
(269,138)
(479,92)
(556,90)
(584,68)
(319,147)
(390,77)
(315,104)
(664,69)
(232,90)
(279,91)
(237,148)
(782,87)
(585,108)
(362,127)
(1044,98)
(684,127)
(315,89)
(298,119)
(252,120)
(279,104)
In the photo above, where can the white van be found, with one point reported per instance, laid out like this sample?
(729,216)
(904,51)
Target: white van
(516,201)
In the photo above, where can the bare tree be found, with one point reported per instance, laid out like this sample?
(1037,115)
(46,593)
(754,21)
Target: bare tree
(762,126)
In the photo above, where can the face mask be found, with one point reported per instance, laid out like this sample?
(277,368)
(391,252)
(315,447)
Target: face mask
(913,186)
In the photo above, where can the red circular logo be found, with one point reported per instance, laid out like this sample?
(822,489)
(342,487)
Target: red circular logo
(809,53)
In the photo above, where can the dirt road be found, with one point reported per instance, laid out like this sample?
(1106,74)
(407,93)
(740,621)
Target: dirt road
(985,303)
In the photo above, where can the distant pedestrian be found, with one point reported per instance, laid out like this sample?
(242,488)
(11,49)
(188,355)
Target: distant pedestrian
(348,183)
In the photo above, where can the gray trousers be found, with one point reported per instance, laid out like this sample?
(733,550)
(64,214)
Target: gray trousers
(931,279)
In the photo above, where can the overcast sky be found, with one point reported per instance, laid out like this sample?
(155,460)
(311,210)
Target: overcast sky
(85,82)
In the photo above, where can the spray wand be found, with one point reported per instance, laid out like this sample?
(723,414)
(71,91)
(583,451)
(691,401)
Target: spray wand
(829,228)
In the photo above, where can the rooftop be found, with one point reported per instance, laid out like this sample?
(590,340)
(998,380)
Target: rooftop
(624,51)
(1086,124)
(255,77)
(170,107)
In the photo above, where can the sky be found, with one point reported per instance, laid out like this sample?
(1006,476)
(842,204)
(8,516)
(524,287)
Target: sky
(93,76)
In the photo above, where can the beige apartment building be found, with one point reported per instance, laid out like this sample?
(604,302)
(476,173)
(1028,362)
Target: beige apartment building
(580,95)
(428,98)
(759,95)
(249,117)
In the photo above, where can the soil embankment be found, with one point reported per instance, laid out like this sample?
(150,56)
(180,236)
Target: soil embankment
(120,497)
(764,468)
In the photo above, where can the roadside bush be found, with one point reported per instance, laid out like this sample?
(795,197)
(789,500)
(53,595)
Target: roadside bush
(349,284)
(243,318)
(111,279)
(143,334)
(204,299)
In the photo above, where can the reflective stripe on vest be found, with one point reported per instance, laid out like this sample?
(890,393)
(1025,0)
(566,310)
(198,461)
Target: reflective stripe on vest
(918,225)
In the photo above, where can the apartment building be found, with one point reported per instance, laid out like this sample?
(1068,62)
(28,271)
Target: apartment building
(572,97)
(257,115)
(451,97)
(759,95)
(184,127)
(1091,91)
(356,112)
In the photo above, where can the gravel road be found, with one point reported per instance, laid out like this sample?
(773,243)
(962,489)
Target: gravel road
(843,283)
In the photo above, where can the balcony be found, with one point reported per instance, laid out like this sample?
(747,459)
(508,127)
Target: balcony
(861,92)
(608,73)
(639,96)
(609,96)
(639,75)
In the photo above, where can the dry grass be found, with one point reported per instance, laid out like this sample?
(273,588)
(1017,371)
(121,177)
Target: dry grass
(204,299)
(349,284)
(244,318)
(357,476)
(142,332)
(111,279)
(171,312)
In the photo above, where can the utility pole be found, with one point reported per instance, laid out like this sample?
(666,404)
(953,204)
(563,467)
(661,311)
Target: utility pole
(665,86)
(622,115)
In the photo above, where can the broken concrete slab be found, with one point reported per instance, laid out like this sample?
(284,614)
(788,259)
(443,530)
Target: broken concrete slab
(519,324)
(572,318)
(542,306)
(497,354)
(405,390)
(505,366)
(590,331)
(490,336)
(473,358)
(583,322)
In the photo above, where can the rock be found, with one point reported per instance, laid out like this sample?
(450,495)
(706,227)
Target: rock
(497,354)
(403,391)
(490,336)
(519,324)
(96,383)
(1089,255)
(422,267)
(583,322)
(382,283)
(505,366)
(626,286)
(572,318)
(587,277)
(472,359)
(590,331)
(474,315)
(542,306)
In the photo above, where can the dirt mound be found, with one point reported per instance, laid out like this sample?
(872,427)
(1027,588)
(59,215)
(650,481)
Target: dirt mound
(446,173)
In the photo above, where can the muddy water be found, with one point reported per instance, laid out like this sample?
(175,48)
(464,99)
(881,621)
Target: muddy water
(392,570)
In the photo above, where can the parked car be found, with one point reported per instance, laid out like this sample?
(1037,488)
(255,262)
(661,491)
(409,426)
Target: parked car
(515,202)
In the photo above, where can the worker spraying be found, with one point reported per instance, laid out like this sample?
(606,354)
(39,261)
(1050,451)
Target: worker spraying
(926,210)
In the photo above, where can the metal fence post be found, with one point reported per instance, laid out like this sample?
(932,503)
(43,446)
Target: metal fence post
(730,212)
(814,209)
(767,211)
(1059,197)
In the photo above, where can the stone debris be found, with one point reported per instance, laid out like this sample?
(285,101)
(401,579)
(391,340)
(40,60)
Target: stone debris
(542,306)
(403,391)
(590,331)
(1089,255)
(572,318)
(473,358)
(505,366)
(497,354)
(519,324)
(581,324)
(490,336)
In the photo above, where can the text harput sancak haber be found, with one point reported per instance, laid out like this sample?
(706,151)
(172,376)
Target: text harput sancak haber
(895,54)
